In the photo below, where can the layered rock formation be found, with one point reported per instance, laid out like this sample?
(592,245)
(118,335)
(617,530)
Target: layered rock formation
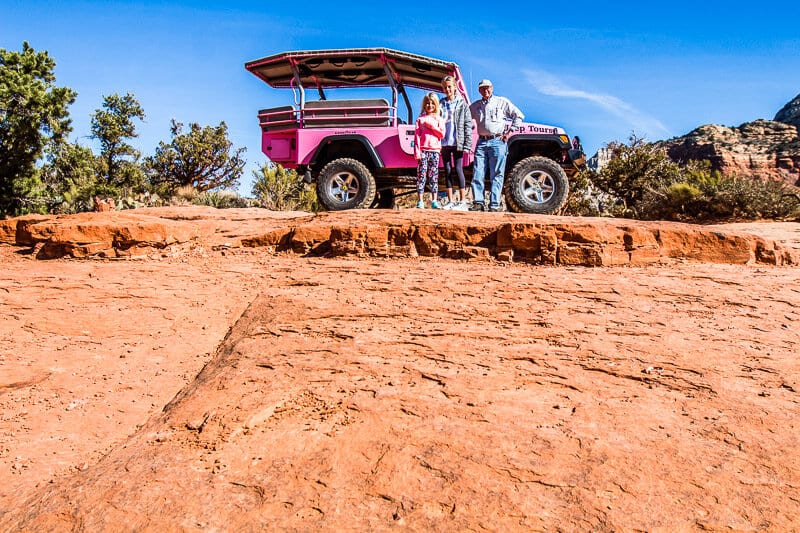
(790,113)
(763,149)
(507,237)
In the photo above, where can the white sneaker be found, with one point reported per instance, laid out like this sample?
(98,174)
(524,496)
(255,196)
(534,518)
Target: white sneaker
(460,206)
(448,206)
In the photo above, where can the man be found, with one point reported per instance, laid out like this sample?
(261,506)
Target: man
(491,113)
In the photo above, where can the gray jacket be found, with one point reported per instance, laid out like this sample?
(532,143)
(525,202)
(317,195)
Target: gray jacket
(462,124)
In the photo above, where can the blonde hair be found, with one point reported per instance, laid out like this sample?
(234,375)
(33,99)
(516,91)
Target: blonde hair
(430,97)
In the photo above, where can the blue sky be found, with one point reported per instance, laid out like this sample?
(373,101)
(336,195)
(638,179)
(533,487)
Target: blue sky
(598,69)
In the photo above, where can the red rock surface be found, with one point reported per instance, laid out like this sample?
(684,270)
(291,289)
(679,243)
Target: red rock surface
(213,386)
(507,237)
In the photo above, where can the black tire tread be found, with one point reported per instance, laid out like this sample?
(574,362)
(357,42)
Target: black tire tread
(518,203)
(367,195)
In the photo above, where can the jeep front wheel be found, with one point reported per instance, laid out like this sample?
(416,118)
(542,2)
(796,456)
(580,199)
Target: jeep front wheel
(345,184)
(536,185)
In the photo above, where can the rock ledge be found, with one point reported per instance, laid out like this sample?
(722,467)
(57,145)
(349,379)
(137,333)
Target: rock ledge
(547,240)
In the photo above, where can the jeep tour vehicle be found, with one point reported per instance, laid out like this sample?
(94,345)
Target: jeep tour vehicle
(360,151)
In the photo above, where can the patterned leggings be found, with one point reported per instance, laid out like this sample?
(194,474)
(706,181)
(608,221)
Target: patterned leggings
(428,170)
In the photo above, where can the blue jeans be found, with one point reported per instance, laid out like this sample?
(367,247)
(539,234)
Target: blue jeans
(489,154)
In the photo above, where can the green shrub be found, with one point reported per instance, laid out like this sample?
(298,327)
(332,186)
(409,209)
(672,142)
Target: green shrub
(145,199)
(185,195)
(707,195)
(754,198)
(633,172)
(200,156)
(674,201)
(643,183)
(583,198)
(221,199)
(279,189)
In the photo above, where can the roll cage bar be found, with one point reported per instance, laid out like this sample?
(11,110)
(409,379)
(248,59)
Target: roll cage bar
(355,67)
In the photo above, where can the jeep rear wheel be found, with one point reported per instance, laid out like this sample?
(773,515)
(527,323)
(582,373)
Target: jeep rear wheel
(536,185)
(345,184)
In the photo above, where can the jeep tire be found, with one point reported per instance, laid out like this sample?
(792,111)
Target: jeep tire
(536,185)
(345,184)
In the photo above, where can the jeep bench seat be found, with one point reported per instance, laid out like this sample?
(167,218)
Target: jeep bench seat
(278,118)
(373,112)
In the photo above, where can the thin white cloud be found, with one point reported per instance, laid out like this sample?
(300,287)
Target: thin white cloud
(551,85)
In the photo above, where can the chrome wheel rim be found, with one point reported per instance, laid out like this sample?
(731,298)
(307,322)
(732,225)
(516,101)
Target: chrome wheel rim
(344,187)
(538,186)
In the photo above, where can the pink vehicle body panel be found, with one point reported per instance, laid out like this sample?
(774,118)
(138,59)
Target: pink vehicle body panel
(293,148)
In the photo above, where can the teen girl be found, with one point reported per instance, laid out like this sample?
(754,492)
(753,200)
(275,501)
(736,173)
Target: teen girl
(457,140)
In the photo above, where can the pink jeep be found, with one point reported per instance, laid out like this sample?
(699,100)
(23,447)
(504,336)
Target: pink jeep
(360,151)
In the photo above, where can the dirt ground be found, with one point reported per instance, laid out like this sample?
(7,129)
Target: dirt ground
(240,390)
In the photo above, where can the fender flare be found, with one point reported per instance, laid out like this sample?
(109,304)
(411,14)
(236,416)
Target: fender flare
(375,159)
(554,143)
(527,137)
